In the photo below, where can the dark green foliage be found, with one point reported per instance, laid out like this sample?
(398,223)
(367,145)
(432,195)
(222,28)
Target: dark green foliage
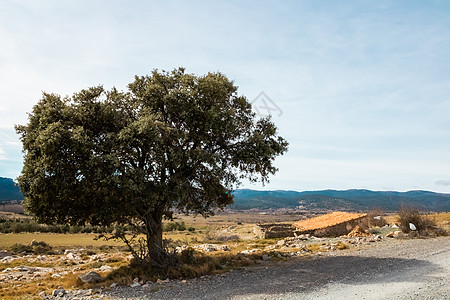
(175,141)
(175,226)
(17,226)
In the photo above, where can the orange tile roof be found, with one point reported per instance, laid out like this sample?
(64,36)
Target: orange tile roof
(327,220)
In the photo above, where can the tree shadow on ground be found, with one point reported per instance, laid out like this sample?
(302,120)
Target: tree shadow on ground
(302,276)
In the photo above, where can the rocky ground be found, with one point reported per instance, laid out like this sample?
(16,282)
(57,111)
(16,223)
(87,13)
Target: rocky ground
(368,267)
(394,269)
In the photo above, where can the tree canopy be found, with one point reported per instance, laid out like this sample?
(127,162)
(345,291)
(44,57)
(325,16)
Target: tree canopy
(172,142)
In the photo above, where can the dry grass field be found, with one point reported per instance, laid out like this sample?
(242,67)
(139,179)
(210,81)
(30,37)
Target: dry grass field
(232,229)
(56,240)
(441,219)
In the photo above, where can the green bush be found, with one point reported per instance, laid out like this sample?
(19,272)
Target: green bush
(175,226)
(18,226)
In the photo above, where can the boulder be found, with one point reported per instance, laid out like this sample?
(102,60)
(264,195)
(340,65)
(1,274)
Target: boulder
(73,256)
(59,292)
(358,232)
(91,277)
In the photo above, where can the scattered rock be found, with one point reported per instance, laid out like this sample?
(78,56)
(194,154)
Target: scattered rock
(390,235)
(73,256)
(105,268)
(266,257)
(5,254)
(399,234)
(206,248)
(91,277)
(159,281)
(251,251)
(135,284)
(113,285)
(358,232)
(7,259)
(59,292)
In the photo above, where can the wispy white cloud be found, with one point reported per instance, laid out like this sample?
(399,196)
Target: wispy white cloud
(358,82)
(2,154)
(443,182)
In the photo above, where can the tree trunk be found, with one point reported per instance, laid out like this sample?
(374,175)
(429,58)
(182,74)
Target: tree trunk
(156,254)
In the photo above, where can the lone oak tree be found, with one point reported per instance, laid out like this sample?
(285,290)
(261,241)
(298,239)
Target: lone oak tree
(173,142)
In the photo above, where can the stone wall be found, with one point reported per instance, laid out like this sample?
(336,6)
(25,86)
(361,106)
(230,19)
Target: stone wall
(273,230)
(267,231)
(340,229)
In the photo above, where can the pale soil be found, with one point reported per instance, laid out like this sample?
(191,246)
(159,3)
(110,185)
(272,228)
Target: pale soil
(392,269)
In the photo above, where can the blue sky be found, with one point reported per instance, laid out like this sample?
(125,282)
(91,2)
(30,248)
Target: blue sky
(364,87)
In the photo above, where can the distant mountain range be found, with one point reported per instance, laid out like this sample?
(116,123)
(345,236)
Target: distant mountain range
(349,200)
(8,190)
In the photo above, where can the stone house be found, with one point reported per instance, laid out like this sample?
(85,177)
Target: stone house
(332,224)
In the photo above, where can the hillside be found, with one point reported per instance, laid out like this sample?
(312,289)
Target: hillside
(8,190)
(350,200)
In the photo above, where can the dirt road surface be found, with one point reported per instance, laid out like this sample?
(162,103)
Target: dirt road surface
(394,269)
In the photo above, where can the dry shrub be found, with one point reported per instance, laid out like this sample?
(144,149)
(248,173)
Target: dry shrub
(375,218)
(211,236)
(423,224)
(33,248)
(189,264)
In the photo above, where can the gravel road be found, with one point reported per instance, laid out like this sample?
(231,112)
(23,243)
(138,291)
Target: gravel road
(393,269)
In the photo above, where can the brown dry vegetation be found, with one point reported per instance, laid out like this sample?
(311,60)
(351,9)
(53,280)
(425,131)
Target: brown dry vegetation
(218,229)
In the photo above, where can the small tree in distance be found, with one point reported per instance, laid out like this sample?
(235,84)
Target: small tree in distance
(174,141)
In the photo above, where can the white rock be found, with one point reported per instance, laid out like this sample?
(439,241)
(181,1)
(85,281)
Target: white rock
(412,226)
(73,256)
(7,259)
(113,285)
(105,268)
(135,284)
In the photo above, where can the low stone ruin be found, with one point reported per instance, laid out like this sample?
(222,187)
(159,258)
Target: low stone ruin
(279,230)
